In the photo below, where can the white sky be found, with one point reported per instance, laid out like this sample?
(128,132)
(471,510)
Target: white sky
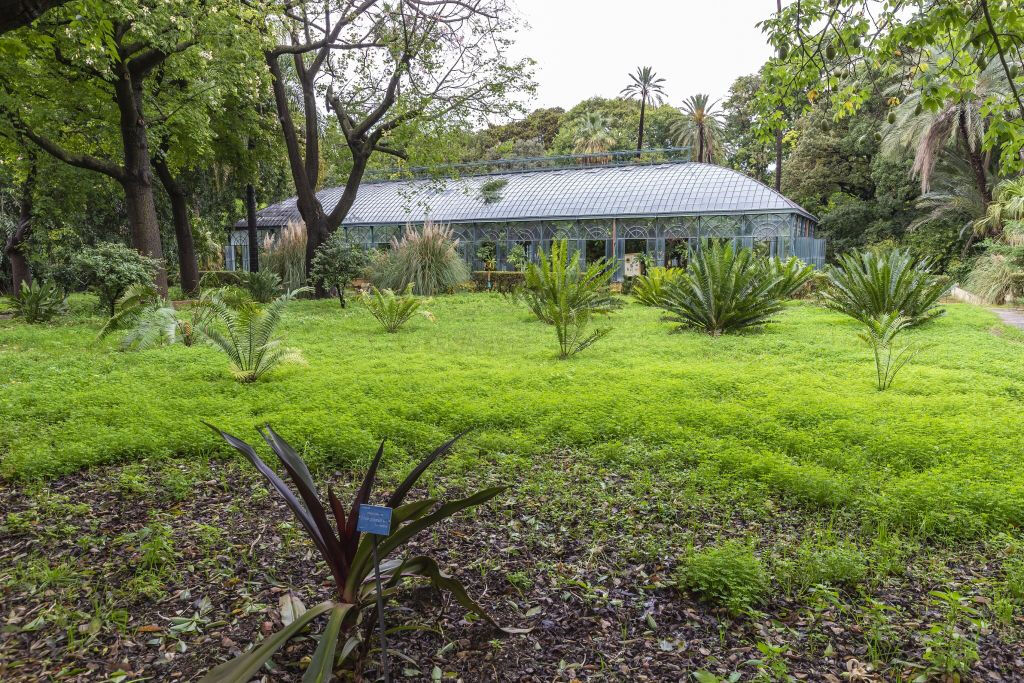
(588,47)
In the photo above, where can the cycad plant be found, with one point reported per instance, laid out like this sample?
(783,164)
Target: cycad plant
(348,554)
(263,285)
(792,276)
(392,310)
(38,302)
(245,331)
(723,290)
(880,335)
(562,293)
(868,284)
(427,258)
(649,289)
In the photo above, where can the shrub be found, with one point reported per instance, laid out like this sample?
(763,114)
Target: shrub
(997,276)
(722,290)
(109,269)
(38,302)
(560,292)
(285,256)
(840,565)
(392,310)
(729,574)
(215,279)
(793,276)
(263,285)
(649,289)
(337,262)
(136,300)
(156,323)
(880,335)
(248,333)
(517,257)
(427,258)
(503,281)
(868,284)
(349,555)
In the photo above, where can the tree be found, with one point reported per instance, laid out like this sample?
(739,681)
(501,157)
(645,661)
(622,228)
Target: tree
(109,269)
(592,135)
(16,242)
(744,150)
(700,129)
(648,88)
(337,263)
(380,67)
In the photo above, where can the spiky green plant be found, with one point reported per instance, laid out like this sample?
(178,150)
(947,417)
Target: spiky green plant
(880,334)
(245,331)
(562,293)
(38,302)
(427,258)
(792,275)
(868,284)
(263,285)
(348,554)
(392,310)
(160,324)
(649,289)
(285,255)
(723,290)
(137,300)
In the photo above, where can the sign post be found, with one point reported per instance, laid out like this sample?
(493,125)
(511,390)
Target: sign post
(376,521)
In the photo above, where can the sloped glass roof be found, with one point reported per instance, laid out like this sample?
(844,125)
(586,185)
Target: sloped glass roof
(669,189)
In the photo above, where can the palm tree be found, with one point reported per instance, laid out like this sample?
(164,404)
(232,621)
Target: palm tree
(593,135)
(647,86)
(699,129)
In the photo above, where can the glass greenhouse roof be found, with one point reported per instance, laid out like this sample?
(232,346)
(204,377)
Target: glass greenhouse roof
(668,189)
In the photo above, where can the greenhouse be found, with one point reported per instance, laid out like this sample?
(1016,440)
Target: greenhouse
(636,213)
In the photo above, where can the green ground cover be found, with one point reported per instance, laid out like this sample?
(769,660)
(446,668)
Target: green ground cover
(792,410)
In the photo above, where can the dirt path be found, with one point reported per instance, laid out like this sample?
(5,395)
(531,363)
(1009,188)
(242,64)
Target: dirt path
(1011,316)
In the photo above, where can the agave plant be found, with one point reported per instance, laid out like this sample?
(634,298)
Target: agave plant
(880,335)
(723,290)
(393,310)
(248,333)
(562,293)
(348,554)
(38,302)
(649,289)
(868,284)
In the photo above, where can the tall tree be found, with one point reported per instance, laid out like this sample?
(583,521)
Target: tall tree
(744,149)
(593,135)
(700,128)
(378,67)
(17,240)
(778,135)
(647,86)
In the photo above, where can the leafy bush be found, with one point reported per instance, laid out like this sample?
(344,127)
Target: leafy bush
(560,292)
(156,323)
(392,310)
(880,335)
(998,276)
(247,334)
(109,269)
(285,256)
(517,257)
(38,302)
(427,258)
(722,290)
(503,281)
(649,289)
(263,285)
(729,574)
(349,555)
(136,300)
(337,262)
(871,283)
(215,279)
(840,565)
(792,275)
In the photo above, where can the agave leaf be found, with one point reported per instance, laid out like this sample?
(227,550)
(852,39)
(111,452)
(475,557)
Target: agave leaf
(403,490)
(321,668)
(361,564)
(363,495)
(339,514)
(243,667)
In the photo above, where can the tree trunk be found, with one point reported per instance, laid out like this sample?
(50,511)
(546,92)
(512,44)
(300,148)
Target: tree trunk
(700,143)
(975,159)
(778,136)
(16,242)
(17,13)
(250,214)
(640,133)
(187,264)
(138,180)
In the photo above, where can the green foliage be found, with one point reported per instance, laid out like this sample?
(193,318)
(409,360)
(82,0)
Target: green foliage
(109,269)
(563,294)
(881,335)
(263,285)
(337,263)
(869,284)
(998,275)
(700,129)
(490,191)
(791,276)
(722,291)
(503,281)
(649,289)
(136,300)
(730,574)
(285,256)
(426,258)
(517,257)
(215,279)
(349,555)
(951,646)
(38,302)
(835,564)
(245,331)
(392,310)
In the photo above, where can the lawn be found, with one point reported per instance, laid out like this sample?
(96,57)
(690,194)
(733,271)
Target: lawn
(748,504)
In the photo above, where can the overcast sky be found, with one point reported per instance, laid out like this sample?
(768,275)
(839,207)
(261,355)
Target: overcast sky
(588,47)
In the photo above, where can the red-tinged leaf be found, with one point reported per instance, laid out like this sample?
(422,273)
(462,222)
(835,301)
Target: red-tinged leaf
(403,490)
(361,497)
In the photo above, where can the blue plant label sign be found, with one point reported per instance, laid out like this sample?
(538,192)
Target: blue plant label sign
(374,519)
